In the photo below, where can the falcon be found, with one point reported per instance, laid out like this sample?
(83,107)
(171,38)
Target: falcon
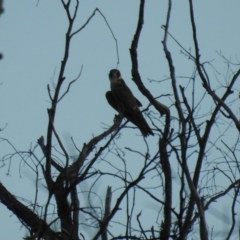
(122,100)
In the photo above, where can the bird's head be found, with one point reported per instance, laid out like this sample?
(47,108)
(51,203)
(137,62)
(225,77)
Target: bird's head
(114,74)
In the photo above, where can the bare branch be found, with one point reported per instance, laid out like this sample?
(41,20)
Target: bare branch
(108,200)
(69,85)
(135,73)
(89,19)
(38,226)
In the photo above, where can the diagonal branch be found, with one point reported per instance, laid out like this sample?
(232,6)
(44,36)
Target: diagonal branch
(37,225)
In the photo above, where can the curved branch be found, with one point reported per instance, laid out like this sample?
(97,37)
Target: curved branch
(135,73)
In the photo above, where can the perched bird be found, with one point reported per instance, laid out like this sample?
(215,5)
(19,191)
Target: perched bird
(122,100)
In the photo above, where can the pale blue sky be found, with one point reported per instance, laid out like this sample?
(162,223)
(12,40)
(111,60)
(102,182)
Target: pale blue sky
(32,42)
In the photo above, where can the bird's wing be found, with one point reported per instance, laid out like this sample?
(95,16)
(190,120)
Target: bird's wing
(124,95)
(111,100)
(135,117)
(121,99)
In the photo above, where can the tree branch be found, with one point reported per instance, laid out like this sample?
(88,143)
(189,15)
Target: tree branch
(135,73)
(37,225)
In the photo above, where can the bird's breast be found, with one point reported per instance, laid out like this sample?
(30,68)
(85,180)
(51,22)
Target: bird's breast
(116,84)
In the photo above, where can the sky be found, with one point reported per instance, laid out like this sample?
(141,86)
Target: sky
(32,42)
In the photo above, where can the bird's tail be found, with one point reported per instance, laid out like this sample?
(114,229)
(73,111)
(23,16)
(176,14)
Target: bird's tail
(142,124)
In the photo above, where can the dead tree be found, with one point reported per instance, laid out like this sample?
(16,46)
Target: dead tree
(178,176)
